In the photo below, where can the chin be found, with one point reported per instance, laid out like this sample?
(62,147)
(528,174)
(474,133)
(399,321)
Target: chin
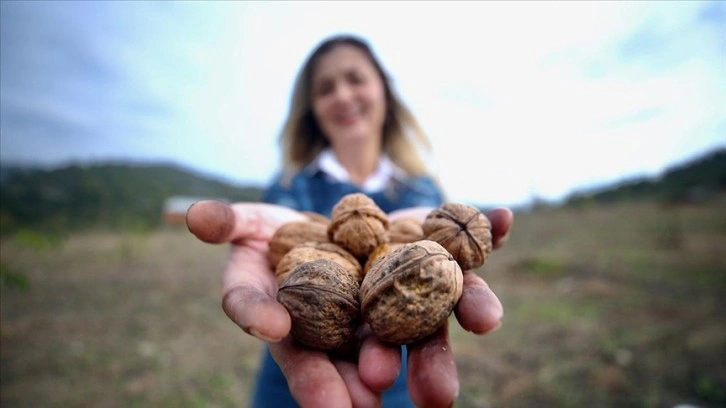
(353,135)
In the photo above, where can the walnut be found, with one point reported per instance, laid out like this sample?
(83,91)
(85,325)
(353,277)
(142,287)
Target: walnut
(313,216)
(317,250)
(322,299)
(405,230)
(463,230)
(378,254)
(411,292)
(358,225)
(292,234)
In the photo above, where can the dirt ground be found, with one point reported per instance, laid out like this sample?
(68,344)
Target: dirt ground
(617,306)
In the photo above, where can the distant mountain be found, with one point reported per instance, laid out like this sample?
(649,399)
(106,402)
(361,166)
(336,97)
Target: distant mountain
(106,195)
(695,180)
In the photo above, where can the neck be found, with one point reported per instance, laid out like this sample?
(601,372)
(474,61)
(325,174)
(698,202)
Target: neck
(359,161)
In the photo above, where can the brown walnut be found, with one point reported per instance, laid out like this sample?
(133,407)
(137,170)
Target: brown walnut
(358,225)
(378,254)
(322,299)
(463,230)
(291,234)
(410,292)
(313,216)
(405,230)
(310,251)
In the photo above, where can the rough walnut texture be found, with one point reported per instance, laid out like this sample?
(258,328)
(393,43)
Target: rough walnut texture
(291,234)
(322,299)
(463,230)
(411,292)
(358,225)
(405,230)
(378,254)
(310,251)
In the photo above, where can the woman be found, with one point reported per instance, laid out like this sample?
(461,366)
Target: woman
(346,132)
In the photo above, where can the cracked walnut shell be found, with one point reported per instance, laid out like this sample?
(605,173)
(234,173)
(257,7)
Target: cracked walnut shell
(411,292)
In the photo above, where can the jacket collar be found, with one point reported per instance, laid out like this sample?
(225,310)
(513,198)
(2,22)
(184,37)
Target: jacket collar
(328,164)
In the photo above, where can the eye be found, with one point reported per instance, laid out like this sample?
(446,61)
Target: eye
(356,78)
(323,88)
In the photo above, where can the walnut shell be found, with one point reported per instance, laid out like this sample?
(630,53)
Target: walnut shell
(411,292)
(313,216)
(405,230)
(378,254)
(463,230)
(310,251)
(322,299)
(358,225)
(291,234)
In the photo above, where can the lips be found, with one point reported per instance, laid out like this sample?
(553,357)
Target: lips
(347,118)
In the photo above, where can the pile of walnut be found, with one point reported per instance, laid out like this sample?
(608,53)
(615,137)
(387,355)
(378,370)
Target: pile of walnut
(403,277)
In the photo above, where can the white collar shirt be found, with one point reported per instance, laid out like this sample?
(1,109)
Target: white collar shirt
(329,164)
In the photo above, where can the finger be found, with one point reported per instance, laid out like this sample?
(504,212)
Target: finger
(360,394)
(432,377)
(313,380)
(249,295)
(479,309)
(379,363)
(257,313)
(501,219)
(218,222)
(210,221)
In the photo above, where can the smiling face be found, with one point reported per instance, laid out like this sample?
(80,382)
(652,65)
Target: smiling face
(348,97)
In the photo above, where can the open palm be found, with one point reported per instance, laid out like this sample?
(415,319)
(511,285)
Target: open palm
(314,377)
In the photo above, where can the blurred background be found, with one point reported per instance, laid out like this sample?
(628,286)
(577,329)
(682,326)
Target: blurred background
(601,124)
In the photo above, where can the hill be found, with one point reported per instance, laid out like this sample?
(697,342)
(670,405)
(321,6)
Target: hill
(106,195)
(695,180)
(122,195)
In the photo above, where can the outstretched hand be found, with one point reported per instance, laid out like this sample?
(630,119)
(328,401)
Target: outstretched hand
(316,379)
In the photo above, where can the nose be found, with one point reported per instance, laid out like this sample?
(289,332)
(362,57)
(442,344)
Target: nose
(343,93)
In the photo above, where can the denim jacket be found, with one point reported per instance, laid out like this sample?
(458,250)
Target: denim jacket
(312,189)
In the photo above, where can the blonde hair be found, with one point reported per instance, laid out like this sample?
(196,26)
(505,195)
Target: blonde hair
(302,140)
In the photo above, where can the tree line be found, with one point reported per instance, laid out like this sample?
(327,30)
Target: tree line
(115,196)
(122,195)
(696,180)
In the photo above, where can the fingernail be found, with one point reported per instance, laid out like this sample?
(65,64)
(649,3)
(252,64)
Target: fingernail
(257,334)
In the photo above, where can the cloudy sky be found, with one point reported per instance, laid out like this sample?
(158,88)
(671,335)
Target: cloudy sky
(521,99)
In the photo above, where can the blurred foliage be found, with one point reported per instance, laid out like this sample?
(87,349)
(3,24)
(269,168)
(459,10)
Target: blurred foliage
(114,196)
(37,240)
(13,279)
(694,181)
(543,266)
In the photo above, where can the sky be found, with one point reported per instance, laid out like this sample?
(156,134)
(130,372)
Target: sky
(521,99)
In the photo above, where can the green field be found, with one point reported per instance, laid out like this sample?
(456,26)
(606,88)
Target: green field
(619,306)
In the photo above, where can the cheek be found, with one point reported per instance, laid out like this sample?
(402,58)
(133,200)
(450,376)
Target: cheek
(378,97)
(379,102)
(319,109)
